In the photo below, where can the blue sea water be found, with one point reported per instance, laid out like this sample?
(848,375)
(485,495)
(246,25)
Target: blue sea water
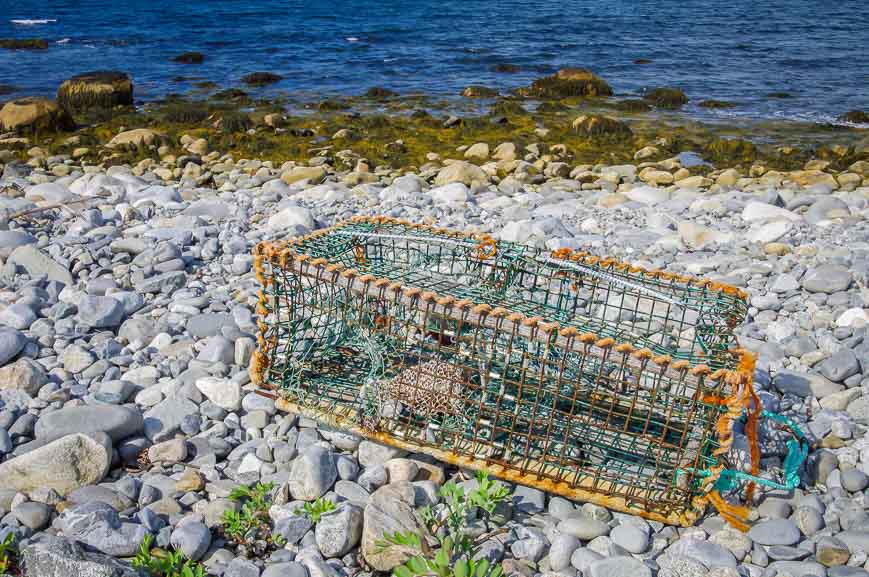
(739,50)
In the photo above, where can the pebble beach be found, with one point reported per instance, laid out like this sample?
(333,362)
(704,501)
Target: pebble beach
(132,435)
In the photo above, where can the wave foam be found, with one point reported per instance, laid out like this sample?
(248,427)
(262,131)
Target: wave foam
(33,22)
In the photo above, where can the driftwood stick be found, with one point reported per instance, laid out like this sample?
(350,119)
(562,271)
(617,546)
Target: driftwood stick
(61,205)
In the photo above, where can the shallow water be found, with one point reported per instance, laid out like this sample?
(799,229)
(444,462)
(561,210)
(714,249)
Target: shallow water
(739,50)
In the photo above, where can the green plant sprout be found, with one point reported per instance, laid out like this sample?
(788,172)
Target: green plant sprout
(316,509)
(453,556)
(159,563)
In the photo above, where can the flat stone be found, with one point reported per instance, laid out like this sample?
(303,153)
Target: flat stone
(23,375)
(18,316)
(708,553)
(390,509)
(98,526)
(38,264)
(100,312)
(192,539)
(631,538)
(840,365)
(583,528)
(801,568)
(775,532)
(162,420)
(11,343)
(826,278)
(373,453)
(312,474)
(225,393)
(339,531)
(50,556)
(561,550)
(63,465)
(116,421)
(618,567)
(32,515)
(167,282)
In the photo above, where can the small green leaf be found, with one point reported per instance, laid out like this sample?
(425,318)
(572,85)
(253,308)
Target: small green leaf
(402,571)
(417,565)
(461,568)
(482,567)
(442,557)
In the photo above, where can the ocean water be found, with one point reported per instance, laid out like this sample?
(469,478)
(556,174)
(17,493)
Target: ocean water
(737,50)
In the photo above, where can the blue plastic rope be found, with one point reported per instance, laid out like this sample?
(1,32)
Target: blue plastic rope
(798,451)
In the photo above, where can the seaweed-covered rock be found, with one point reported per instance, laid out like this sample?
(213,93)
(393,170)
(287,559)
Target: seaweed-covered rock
(855,116)
(96,90)
(568,82)
(380,93)
(712,103)
(505,68)
(632,105)
(261,78)
(596,125)
(728,151)
(234,122)
(506,107)
(24,43)
(189,58)
(667,98)
(476,91)
(34,114)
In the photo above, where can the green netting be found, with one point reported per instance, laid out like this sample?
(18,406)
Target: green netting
(446,344)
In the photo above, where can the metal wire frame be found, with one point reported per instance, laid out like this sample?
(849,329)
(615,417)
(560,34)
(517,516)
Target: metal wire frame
(501,388)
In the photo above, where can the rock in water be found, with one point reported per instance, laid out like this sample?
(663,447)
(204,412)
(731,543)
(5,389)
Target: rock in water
(49,556)
(390,509)
(63,465)
(96,90)
(34,114)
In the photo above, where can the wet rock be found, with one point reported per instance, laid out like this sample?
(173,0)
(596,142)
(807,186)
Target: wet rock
(596,125)
(96,90)
(568,82)
(189,58)
(34,114)
(667,98)
(261,78)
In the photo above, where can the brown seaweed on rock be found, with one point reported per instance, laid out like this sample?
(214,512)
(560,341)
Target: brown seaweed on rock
(103,89)
(567,83)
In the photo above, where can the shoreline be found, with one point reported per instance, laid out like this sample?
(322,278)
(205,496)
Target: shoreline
(128,303)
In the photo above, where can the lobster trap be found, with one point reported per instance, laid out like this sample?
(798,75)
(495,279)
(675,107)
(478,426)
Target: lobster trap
(582,376)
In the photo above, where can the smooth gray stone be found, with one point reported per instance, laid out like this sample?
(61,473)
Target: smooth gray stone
(118,422)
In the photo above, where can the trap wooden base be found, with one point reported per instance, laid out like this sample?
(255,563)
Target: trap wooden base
(579,491)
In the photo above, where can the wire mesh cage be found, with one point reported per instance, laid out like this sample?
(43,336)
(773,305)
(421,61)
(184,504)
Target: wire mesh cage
(586,377)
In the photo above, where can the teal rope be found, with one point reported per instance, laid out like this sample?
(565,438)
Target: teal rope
(798,451)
